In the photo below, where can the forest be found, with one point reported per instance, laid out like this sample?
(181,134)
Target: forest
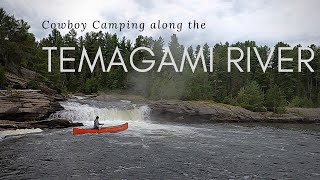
(255,90)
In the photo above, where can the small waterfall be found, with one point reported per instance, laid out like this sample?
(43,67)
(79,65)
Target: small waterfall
(85,113)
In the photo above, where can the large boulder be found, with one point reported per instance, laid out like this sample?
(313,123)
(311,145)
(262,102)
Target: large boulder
(53,124)
(27,74)
(16,81)
(26,105)
(207,111)
(195,111)
(44,124)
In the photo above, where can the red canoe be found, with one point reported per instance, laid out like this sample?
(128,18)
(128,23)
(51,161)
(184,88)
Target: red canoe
(111,129)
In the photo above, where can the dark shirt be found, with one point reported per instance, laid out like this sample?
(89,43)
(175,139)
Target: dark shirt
(96,124)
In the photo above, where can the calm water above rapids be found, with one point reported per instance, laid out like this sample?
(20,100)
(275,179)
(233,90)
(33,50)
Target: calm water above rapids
(152,150)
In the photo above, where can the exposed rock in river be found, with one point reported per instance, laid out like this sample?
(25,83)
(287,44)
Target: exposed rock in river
(201,111)
(197,111)
(44,124)
(209,111)
(25,108)
(26,105)
(28,109)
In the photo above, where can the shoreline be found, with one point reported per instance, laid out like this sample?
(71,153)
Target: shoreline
(27,108)
(212,112)
(30,109)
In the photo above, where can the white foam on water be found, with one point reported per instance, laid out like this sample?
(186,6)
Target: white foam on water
(125,101)
(78,97)
(5,133)
(86,114)
(138,118)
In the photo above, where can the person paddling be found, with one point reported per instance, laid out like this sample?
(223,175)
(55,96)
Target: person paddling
(96,123)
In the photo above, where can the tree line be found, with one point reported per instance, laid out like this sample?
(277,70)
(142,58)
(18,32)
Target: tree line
(257,91)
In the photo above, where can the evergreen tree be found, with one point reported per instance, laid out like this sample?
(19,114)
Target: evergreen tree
(275,99)
(19,49)
(251,97)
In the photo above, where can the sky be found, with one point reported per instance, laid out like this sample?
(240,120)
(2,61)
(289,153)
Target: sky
(264,21)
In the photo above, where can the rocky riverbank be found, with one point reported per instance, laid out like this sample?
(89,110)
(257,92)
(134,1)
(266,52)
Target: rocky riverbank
(42,124)
(198,111)
(209,111)
(29,109)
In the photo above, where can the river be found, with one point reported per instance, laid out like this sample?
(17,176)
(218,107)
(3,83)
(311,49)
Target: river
(156,150)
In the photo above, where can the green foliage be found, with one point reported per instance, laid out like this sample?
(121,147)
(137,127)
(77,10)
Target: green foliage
(229,100)
(275,100)
(251,97)
(197,87)
(91,86)
(18,48)
(33,84)
(319,99)
(301,102)
(2,77)
(16,44)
